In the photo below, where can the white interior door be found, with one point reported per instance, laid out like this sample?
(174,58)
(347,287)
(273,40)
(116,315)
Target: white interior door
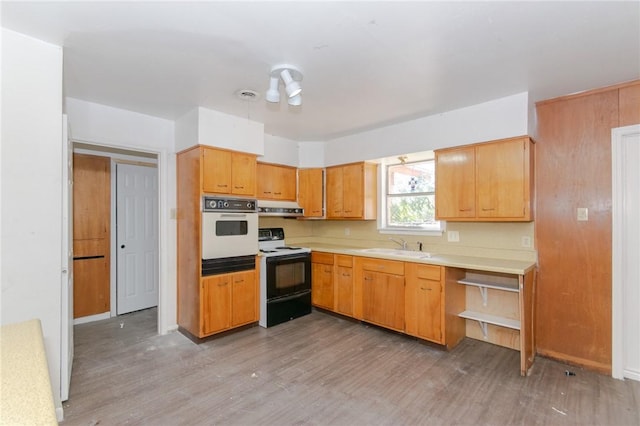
(66,329)
(137,237)
(626,252)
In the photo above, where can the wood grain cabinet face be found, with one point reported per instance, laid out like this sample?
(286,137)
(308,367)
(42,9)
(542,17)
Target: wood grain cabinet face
(228,300)
(485,182)
(276,182)
(424,304)
(216,304)
(311,191)
(322,280)
(352,191)
(382,291)
(228,172)
(343,282)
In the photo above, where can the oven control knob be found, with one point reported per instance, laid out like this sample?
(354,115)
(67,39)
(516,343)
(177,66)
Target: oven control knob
(226,204)
(249,206)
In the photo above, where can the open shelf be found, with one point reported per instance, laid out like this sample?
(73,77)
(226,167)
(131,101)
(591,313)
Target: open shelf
(491,319)
(491,284)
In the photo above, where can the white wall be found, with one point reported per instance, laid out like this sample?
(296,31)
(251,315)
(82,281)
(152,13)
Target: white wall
(31,175)
(280,151)
(311,154)
(497,119)
(231,132)
(106,126)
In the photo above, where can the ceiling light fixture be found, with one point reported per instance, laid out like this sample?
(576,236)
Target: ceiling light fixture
(291,77)
(273,95)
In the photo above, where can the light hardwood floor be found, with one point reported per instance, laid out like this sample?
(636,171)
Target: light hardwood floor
(323,370)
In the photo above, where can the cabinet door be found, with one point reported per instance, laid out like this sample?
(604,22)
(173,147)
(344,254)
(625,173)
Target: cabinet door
(216,303)
(455,183)
(243,298)
(500,171)
(322,285)
(383,299)
(344,290)
(353,188)
(335,207)
(310,191)
(243,174)
(424,302)
(216,171)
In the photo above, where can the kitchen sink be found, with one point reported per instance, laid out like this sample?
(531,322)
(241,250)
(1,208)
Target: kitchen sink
(397,252)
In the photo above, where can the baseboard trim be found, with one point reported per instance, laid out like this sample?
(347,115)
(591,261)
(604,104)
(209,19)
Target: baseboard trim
(92,318)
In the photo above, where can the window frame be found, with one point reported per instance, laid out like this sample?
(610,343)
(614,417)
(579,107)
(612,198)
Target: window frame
(436,229)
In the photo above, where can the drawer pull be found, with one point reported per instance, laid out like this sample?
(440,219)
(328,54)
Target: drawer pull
(368,279)
(487,210)
(221,186)
(423,288)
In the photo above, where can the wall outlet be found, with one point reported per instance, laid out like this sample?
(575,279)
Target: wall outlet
(453,236)
(526,242)
(583,214)
(347,231)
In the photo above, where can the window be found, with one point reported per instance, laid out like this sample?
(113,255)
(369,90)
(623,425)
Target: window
(409,197)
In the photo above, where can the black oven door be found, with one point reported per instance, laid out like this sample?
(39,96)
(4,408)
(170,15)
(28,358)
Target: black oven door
(288,275)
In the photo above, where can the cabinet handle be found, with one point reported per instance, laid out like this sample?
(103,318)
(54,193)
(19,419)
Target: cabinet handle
(464,210)
(368,279)
(327,270)
(422,288)
(221,186)
(223,284)
(239,281)
(487,210)
(346,275)
(266,192)
(277,193)
(239,187)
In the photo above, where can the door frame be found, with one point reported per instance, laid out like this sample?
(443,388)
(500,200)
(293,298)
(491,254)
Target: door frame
(164,324)
(617,355)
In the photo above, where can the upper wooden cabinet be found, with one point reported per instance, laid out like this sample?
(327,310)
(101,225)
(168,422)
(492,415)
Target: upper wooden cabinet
(276,182)
(491,181)
(311,191)
(228,172)
(352,191)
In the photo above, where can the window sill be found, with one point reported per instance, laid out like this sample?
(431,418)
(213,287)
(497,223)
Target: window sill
(404,231)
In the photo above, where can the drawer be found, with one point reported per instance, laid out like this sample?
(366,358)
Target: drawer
(343,260)
(320,257)
(428,272)
(381,265)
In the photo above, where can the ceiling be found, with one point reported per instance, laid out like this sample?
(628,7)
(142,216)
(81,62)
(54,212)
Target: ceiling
(365,63)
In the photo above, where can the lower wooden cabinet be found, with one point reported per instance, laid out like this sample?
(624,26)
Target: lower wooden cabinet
(424,302)
(379,292)
(322,280)
(383,299)
(343,291)
(228,300)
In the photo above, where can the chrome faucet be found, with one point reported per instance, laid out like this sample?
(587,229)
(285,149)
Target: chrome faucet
(402,243)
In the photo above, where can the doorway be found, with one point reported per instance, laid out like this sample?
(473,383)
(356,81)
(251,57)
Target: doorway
(626,252)
(137,264)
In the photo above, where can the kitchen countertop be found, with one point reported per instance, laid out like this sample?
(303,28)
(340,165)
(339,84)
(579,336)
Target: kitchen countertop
(26,397)
(518,267)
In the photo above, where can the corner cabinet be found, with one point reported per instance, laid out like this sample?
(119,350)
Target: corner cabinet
(311,192)
(490,182)
(228,172)
(352,191)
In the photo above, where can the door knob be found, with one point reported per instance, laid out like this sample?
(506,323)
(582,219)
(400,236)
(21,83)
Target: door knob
(122,246)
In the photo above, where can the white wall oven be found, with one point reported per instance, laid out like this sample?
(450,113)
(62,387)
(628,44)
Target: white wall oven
(285,279)
(229,234)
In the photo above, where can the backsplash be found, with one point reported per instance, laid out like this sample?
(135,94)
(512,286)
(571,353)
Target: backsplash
(493,240)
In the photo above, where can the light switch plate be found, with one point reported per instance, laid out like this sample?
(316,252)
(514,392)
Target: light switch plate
(453,236)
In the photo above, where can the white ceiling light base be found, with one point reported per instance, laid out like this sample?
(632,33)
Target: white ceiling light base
(291,77)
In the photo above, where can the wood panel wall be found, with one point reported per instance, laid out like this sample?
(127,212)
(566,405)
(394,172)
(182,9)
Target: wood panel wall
(91,235)
(573,308)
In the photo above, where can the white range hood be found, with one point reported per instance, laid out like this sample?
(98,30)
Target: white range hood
(279,208)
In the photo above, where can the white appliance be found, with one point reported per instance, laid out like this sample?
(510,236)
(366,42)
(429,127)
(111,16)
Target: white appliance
(285,279)
(229,227)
